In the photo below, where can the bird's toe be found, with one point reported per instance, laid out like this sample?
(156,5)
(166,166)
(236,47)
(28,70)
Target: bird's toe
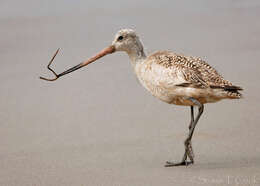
(182,163)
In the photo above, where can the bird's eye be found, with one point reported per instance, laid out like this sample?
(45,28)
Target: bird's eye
(120,38)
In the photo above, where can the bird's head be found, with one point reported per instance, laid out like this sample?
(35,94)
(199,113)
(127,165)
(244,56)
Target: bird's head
(126,40)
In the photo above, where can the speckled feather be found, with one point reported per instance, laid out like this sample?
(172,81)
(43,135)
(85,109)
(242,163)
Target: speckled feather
(196,71)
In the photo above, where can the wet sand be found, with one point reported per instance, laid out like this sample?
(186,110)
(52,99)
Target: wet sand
(98,126)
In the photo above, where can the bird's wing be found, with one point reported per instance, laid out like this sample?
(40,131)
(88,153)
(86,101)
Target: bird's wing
(196,72)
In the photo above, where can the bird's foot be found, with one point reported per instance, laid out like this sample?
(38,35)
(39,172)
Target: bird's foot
(182,163)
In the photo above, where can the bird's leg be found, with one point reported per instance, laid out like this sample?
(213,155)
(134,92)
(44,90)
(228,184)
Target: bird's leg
(189,149)
(192,116)
(187,143)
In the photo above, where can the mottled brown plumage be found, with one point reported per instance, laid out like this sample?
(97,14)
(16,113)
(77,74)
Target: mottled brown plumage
(196,71)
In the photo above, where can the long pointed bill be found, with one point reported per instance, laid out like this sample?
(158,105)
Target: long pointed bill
(108,50)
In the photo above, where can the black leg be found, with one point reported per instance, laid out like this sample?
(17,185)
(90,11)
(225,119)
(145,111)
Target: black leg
(188,147)
(187,143)
(192,116)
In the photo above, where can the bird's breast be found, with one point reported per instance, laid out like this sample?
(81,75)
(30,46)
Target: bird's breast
(157,80)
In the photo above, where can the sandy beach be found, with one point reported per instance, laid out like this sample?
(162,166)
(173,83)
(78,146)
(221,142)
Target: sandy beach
(98,126)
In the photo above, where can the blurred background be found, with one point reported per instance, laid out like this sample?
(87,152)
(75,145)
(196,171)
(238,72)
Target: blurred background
(98,126)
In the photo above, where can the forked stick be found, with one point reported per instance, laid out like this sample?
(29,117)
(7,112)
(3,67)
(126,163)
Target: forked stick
(56,75)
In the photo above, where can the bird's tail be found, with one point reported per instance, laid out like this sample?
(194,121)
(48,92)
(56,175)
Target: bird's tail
(232,91)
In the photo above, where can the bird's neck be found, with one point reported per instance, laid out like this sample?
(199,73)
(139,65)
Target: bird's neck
(136,54)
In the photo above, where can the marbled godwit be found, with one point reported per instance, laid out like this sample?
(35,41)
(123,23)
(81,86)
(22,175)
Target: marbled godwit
(173,78)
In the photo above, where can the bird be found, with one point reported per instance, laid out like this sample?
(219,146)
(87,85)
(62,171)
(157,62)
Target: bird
(173,78)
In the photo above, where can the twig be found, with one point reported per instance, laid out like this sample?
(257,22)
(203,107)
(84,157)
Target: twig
(56,75)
